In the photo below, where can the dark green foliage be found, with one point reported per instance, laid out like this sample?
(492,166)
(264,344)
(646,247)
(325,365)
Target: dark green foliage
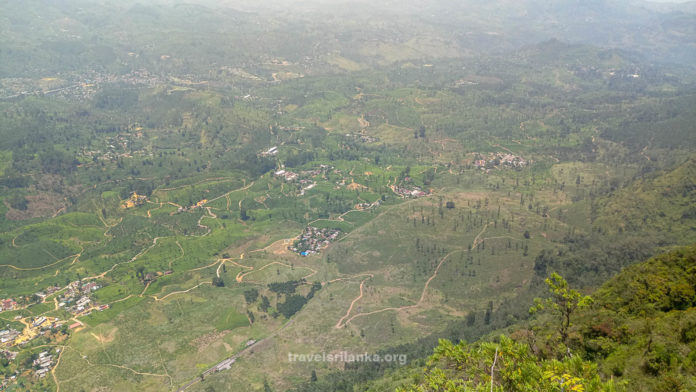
(664,283)
(293,304)
(298,159)
(116,97)
(140,272)
(251,295)
(642,323)
(315,287)
(18,202)
(14,182)
(57,162)
(265,303)
(670,116)
(284,287)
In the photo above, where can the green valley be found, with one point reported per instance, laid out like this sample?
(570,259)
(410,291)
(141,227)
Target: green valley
(194,195)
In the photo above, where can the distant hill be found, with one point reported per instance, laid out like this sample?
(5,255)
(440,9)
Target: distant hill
(40,37)
(687,6)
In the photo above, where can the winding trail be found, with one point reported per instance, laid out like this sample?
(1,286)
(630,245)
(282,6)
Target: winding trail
(75,256)
(84,358)
(142,252)
(111,227)
(340,217)
(217,271)
(196,183)
(53,371)
(341,323)
(153,209)
(210,214)
(222,263)
(179,292)
(145,289)
(228,193)
(241,274)
(202,226)
(183,253)
(119,300)
(205,266)
(387,210)
(285,242)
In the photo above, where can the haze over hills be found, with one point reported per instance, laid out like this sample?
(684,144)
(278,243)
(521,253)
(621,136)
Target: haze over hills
(195,194)
(84,34)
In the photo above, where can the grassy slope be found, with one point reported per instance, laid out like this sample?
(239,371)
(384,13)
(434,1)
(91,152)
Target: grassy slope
(640,331)
(666,204)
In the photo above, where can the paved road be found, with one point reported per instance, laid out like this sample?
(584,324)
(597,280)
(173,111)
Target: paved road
(213,369)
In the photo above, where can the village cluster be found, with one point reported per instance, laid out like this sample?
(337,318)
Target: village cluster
(286,175)
(9,356)
(39,326)
(76,298)
(7,304)
(116,147)
(303,178)
(44,363)
(41,366)
(407,189)
(498,159)
(8,337)
(77,87)
(313,240)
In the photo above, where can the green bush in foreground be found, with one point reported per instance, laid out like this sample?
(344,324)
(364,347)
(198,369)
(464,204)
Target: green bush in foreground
(506,366)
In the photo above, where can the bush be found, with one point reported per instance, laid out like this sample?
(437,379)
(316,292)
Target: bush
(18,202)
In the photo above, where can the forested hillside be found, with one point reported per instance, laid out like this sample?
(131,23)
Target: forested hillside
(635,333)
